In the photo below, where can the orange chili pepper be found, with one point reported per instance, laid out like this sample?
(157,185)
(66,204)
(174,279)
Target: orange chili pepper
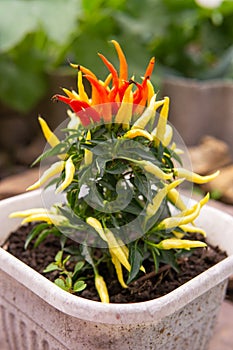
(122,59)
(99,92)
(107,80)
(100,97)
(84,70)
(143,100)
(150,68)
(111,68)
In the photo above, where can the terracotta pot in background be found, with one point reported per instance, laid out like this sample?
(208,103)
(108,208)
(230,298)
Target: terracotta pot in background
(199,108)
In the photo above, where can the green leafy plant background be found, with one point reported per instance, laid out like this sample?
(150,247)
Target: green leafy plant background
(38,37)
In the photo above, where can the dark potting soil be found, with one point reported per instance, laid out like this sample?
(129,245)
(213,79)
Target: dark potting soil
(148,286)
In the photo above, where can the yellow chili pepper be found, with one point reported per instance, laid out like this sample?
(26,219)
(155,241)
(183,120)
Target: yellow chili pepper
(151,168)
(55,169)
(179,219)
(87,153)
(175,149)
(118,269)
(28,212)
(146,115)
(174,196)
(101,288)
(188,228)
(188,211)
(193,177)
(154,169)
(50,137)
(161,127)
(153,207)
(116,249)
(69,175)
(82,93)
(178,234)
(124,113)
(167,136)
(125,250)
(174,243)
(119,253)
(97,226)
(151,91)
(204,200)
(131,134)
(48,134)
(71,94)
(54,219)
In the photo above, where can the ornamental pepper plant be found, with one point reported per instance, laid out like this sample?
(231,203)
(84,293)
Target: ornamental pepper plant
(118,173)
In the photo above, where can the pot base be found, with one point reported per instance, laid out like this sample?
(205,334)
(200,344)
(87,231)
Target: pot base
(28,322)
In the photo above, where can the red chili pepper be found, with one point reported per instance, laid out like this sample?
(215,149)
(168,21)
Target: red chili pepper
(115,79)
(115,107)
(82,108)
(85,116)
(76,105)
(122,88)
(137,96)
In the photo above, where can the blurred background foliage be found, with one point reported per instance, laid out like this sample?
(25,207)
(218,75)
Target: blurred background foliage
(38,38)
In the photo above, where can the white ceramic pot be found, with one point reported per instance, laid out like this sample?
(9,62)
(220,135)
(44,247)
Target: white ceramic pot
(36,314)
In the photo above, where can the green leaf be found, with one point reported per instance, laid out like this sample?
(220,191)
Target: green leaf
(143,185)
(51,267)
(168,257)
(79,286)
(86,253)
(60,148)
(132,149)
(133,208)
(69,282)
(116,167)
(155,254)
(79,266)
(135,259)
(65,260)
(35,231)
(58,22)
(41,237)
(60,283)
(72,250)
(58,257)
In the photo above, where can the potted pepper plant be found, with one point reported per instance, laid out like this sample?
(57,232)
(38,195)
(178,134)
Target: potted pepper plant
(112,209)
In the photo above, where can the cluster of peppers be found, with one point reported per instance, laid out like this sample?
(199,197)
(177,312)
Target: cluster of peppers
(124,104)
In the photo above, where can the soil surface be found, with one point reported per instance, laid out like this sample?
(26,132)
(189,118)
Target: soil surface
(148,286)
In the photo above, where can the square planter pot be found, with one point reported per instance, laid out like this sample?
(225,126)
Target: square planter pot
(36,314)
